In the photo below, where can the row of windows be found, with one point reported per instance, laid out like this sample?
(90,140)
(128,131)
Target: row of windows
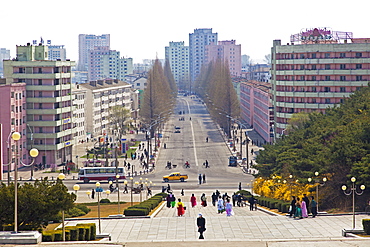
(321,66)
(280,56)
(322,78)
(314,89)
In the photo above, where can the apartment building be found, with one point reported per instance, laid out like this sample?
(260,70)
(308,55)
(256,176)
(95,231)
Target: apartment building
(316,70)
(101,96)
(178,56)
(107,64)
(86,43)
(228,51)
(48,101)
(197,45)
(57,52)
(79,111)
(256,107)
(4,55)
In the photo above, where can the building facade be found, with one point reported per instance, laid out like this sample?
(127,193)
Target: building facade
(256,107)
(87,42)
(107,64)
(101,96)
(57,52)
(178,56)
(4,55)
(317,70)
(13,118)
(49,101)
(197,44)
(228,51)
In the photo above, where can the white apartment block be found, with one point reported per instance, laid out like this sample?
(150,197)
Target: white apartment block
(87,42)
(101,95)
(178,56)
(57,53)
(4,55)
(79,111)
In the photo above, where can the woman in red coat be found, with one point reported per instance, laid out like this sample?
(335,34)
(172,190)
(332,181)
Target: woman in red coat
(193,200)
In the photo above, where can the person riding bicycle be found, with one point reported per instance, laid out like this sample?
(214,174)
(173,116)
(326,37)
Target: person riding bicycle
(187,165)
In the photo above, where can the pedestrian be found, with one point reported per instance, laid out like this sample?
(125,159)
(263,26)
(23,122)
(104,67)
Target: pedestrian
(182,192)
(251,201)
(149,192)
(168,200)
(200,178)
(180,208)
(240,186)
(214,199)
(165,146)
(292,206)
(239,200)
(204,178)
(313,207)
(203,198)
(298,209)
(220,205)
(307,202)
(92,194)
(168,188)
(207,164)
(173,201)
(201,223)
(125,189)
(193,200)
(304,209)
(234,198)
(229,208)
(207,139)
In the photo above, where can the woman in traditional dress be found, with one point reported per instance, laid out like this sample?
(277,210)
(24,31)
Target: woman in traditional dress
(173,201)
(298,209)
(180,208)
(304,209)
(193,200)
(220,205)
(168,200)
(203,198)
(229,208)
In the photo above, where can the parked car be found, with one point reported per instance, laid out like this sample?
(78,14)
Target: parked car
(175,176)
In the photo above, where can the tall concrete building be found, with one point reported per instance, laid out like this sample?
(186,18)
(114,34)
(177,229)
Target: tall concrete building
(178,56)
(107,64)
(87,42)
(4,55)
(197,44)
(57,52)
(49,101)
(317,70)
(227,51)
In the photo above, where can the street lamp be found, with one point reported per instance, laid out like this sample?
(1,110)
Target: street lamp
(61,176)
(98,191)
(16,136)
(353,191)
(117,177)
(317,181)
(132,186)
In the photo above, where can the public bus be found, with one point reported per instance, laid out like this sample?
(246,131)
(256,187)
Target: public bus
(100,173)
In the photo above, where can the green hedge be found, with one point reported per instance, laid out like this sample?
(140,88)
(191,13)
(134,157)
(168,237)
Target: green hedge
(144,208)
(80,232)
(272,203)
(366,225)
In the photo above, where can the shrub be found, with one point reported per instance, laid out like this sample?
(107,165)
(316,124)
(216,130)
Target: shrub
(105,200)
(92,231)
(83,208)
(58,235)
(74,212)
(81,233)
(48,236)
(73,233)
(366,225)
(135,212)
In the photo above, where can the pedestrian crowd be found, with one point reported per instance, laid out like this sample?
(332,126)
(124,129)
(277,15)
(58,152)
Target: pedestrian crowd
(301,208)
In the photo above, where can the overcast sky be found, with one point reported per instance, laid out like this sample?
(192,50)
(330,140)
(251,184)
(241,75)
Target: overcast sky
(142,28)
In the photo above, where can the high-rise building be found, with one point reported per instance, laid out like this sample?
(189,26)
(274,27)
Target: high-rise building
(4,55)
(107,64)
(317,70)
(57,52)
(87,42)
(49,101)
(178,56)
(197,44)
(228,51)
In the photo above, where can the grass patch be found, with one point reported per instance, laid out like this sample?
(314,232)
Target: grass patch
(105,209)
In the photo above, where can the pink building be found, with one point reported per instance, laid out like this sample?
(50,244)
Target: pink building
(317,70)
(256,108)
(13,118)
(228,51)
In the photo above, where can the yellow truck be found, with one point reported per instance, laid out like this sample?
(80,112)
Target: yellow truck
(175,176)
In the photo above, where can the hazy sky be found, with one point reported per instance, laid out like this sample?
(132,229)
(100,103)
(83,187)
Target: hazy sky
(142,28)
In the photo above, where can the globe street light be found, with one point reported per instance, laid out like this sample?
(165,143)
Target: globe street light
(353,191)
(117,177)
(61,176)
(98,191)
(16,136)
(132,186)
(317,181)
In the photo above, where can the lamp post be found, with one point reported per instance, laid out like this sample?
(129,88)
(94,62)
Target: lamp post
(132,186)
(61,176)
(317,181)
(98,191)
(119,208)
(16,136)
(353,191)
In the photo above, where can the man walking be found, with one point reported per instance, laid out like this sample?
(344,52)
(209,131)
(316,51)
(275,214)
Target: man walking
(200,178)
(201,223)
(313,207)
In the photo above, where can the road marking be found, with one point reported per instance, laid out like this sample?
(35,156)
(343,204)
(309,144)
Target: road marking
(192,132)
